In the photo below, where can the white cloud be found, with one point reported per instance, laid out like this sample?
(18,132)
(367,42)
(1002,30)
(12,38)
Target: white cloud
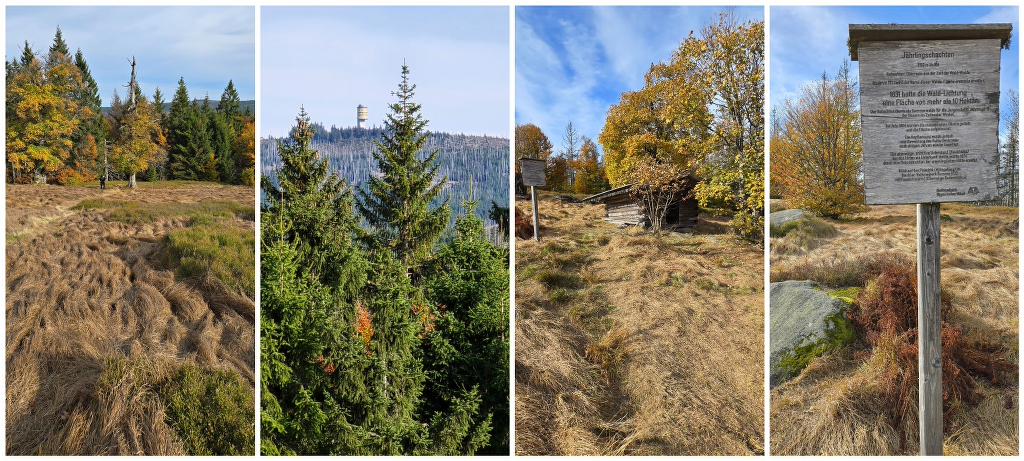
(805,41)
(206,45)
(551,91)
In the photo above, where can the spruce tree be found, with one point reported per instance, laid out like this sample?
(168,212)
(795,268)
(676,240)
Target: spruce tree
(221,133)
(90,96)
(317,205)
(58,50)
(93,131)
(26,54)
(339,373)
(466,356)
(230,106)
(158,102)
(397,205)
(176,124)
(308,338)
(197,161)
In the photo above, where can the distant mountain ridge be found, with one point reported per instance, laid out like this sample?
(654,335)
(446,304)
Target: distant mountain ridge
(477,167)
(250,104)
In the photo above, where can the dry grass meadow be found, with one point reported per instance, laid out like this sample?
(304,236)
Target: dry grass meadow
(125,334)
(630,344)
(834,407)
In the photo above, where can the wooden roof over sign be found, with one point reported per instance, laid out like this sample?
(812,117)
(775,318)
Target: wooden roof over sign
(903,32)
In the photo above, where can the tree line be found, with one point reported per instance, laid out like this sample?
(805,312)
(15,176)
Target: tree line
(817,149)
(701,113)
(376,337)
(57,131)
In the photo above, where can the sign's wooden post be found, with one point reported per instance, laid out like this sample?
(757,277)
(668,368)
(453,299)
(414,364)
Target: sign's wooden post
(536,217)
(929,329)
(533,176)
(929,121)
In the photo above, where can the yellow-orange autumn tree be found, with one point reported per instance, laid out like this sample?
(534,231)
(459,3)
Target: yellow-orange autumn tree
(244,149)
(591,177)
(701,111)
(41,118)
(816,148)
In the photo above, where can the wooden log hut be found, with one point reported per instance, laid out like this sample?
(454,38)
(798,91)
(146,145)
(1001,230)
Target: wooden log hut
(621,208)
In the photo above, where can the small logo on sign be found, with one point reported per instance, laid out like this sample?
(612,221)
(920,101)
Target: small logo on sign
(972,191)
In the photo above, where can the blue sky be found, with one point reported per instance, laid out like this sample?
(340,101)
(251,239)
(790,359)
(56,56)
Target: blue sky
(331,59)
(806,41)
(573,63)
(206,45)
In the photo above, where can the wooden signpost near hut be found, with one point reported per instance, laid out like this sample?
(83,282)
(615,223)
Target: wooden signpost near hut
(533,175)
(929,120)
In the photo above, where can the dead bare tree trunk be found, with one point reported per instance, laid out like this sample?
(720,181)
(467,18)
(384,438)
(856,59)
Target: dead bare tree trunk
(132,106)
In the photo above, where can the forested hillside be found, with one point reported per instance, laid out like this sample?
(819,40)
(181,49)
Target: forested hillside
(248,106)
(480,161)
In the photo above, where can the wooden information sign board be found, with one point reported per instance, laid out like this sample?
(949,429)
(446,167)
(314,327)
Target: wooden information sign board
(929,110)
(532,170)
(929,121)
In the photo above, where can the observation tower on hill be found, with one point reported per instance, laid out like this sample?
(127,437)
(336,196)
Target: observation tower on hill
(362,115)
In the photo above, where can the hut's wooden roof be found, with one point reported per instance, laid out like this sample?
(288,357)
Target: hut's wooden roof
(602,196)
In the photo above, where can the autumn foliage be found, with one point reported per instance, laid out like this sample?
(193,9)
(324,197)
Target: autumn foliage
(41,119)
(364,326)
(816,148)
(701,111)
(656,186)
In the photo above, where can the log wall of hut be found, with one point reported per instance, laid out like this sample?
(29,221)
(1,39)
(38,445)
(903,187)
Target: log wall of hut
(622,209)
(687,210)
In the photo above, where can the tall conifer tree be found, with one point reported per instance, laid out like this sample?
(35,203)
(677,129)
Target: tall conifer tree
(230,107)
(58,50)
(397,205)
(180,163)
(93,131)
(26,54)
(158,102)
(332,384)
(466,355)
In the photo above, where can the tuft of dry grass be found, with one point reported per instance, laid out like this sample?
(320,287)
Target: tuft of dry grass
(843,404)
(96,324)
(632,344)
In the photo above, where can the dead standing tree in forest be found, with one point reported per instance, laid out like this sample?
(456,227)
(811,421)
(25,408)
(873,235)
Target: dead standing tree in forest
(138,133)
